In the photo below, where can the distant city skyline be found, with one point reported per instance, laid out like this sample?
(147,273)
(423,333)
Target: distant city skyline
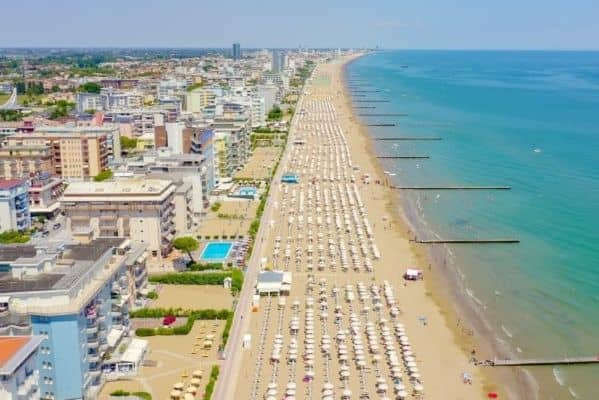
(464,24)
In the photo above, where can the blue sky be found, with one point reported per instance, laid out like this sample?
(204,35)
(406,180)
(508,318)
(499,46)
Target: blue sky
(440,24)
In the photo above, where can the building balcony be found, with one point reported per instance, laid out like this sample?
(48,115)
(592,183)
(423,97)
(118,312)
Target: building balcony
(95,373)
(93,344)
(93,358)
(91,330)
(27,388)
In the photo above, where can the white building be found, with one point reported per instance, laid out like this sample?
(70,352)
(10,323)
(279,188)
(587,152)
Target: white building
(19,376)
(14,205)
(141,209)
(171,88)
(174,136)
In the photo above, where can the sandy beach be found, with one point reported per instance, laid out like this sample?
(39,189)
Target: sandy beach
(334,141)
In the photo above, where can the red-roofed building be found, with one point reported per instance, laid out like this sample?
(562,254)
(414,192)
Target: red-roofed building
(19,377)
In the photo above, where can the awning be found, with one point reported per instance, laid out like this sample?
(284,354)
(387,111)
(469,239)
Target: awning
(113,337)
(135,351)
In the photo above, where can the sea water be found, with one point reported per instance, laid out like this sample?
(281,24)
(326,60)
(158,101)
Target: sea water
(529,120)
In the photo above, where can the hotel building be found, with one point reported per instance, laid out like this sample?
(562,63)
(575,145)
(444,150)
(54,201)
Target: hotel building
(77,299)
(75,152)
(141,209)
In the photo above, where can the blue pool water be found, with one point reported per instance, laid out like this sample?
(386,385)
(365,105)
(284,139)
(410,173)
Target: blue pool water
(524,119)
(216,251)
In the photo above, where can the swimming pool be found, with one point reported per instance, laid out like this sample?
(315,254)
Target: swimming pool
(216,251)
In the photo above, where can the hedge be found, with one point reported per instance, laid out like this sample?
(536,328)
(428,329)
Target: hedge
(210,386)
(192,316)
(183,278)
(124,393)
(209,278)
(204,266)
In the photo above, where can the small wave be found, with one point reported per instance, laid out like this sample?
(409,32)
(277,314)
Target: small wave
(573,393)
(518,349)
(559,376)
(476,299)
(505,330)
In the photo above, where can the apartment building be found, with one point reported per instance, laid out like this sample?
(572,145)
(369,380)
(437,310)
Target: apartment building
(14,205)
(198,99)
(23,161)
(142,209)
(110,132)
(19,377)
(195,169)
(45,192)
(231,145)
(143,120)
(108,99)
(77,299)
(76,152)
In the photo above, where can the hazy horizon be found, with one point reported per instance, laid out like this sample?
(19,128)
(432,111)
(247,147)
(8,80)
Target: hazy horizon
(464,25)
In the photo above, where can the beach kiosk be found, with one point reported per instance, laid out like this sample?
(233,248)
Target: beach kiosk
(413,274)
(290,177)
(246,341)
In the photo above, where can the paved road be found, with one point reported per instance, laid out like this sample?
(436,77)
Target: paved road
(227,380)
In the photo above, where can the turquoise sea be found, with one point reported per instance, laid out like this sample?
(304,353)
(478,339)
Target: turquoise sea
(529,120)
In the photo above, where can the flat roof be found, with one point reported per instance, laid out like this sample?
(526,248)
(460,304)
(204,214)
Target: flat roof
(76,260)
(12,252)
(129,186)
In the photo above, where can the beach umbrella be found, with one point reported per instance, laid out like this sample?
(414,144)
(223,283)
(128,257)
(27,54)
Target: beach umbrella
(175,394)
(418,388)
(195,382)
(401,395)
(178,386)
(191,389)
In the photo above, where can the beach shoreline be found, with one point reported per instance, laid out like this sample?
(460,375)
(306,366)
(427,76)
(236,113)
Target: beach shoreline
(466,322)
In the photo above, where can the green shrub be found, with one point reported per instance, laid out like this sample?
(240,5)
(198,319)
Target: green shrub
(190,278)
(204,266)
(120,392)
(192,316)
(216,206)
(143,332)
(104,175)
(152,295)
(13,237)
(210,386)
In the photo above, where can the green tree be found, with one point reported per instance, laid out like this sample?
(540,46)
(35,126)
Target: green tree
(90,87)
(275,113)
(128,143)
(104,175)
(186,244)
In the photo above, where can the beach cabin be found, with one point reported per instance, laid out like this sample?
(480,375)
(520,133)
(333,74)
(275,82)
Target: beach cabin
(129,363)
(228,282)
(273,283)
(412,274)
(290,177)
(246,342)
